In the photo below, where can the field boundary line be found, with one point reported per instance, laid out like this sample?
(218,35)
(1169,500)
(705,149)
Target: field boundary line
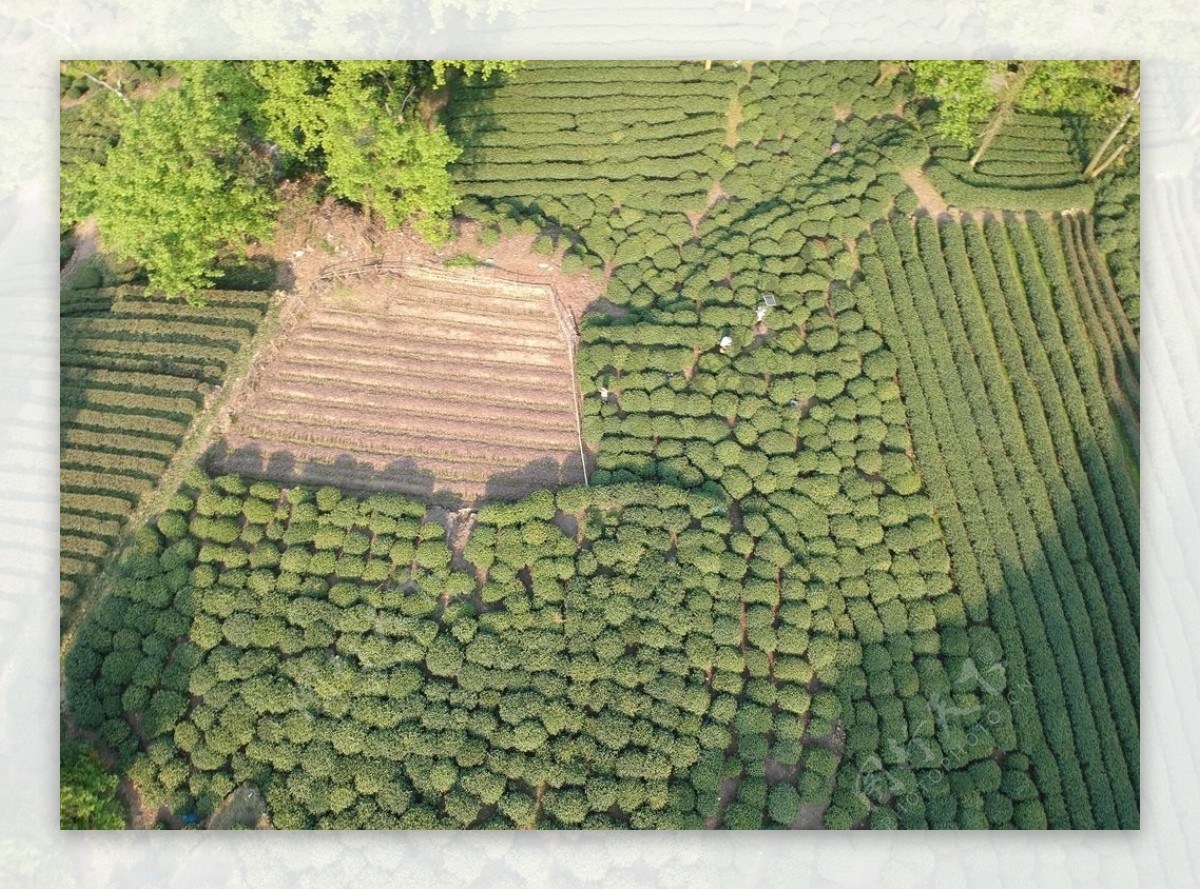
(563,313)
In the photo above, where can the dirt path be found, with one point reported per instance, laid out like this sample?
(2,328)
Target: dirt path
(87,243)
(931,199)
(244,807)
(715,194)
(733,120)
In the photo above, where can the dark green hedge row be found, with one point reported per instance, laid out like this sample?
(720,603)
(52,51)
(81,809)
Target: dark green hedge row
(503,144)
(99,422)
(648,83)
(692,142)
(645,168)
(206,362)
(131,382)
(960,193)
(1028,170)
(1103,684)
(134,466)
(1117,350)
(597,114)
(172,407)
(1117,230)
(622,71)
(139,330)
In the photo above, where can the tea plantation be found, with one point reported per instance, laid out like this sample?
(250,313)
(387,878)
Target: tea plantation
(134,374)
(861,544)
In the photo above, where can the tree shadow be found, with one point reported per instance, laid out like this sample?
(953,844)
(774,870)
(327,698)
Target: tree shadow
(537,475)
(469,119)
(258,273)
(352,475)
(1078,136)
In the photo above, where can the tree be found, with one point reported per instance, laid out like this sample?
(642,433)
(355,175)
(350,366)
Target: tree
(190,176)
(964,92)
(1130,124)
(182,184)
(100,74)
(361,123)
(1106,91)
(87,795)
(968,92)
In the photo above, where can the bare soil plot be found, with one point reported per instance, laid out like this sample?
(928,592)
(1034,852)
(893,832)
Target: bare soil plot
(451,385)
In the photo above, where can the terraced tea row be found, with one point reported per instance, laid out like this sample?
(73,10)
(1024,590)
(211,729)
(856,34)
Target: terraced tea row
(1033,164)
(135,371)
(1117,348)
(1026,464)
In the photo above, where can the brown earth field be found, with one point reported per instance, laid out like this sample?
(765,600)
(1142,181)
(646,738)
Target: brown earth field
(391,372)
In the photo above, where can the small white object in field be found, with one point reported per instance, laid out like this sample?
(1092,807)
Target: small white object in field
(489,262)
(299,253)
(543,265)
(726,342)
(604,393)
(760,313)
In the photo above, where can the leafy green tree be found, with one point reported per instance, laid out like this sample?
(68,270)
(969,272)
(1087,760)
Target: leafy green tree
(87,795)
(183,184)
(968,92)
(360,122)
(964,92)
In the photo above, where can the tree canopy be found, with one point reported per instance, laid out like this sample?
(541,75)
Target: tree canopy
(87,797)
(360,122)
(192,172)
(183,183)
(976,97)
(965,92)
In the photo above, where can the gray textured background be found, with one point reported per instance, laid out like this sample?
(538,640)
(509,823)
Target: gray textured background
(34,34)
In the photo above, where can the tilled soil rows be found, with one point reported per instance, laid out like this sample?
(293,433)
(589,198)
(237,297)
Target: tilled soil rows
(464,426)
(434,402)
(403,377)
(437,350)
(421,329)
(431,383)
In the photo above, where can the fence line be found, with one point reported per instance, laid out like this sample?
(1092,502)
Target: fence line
(564,314)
